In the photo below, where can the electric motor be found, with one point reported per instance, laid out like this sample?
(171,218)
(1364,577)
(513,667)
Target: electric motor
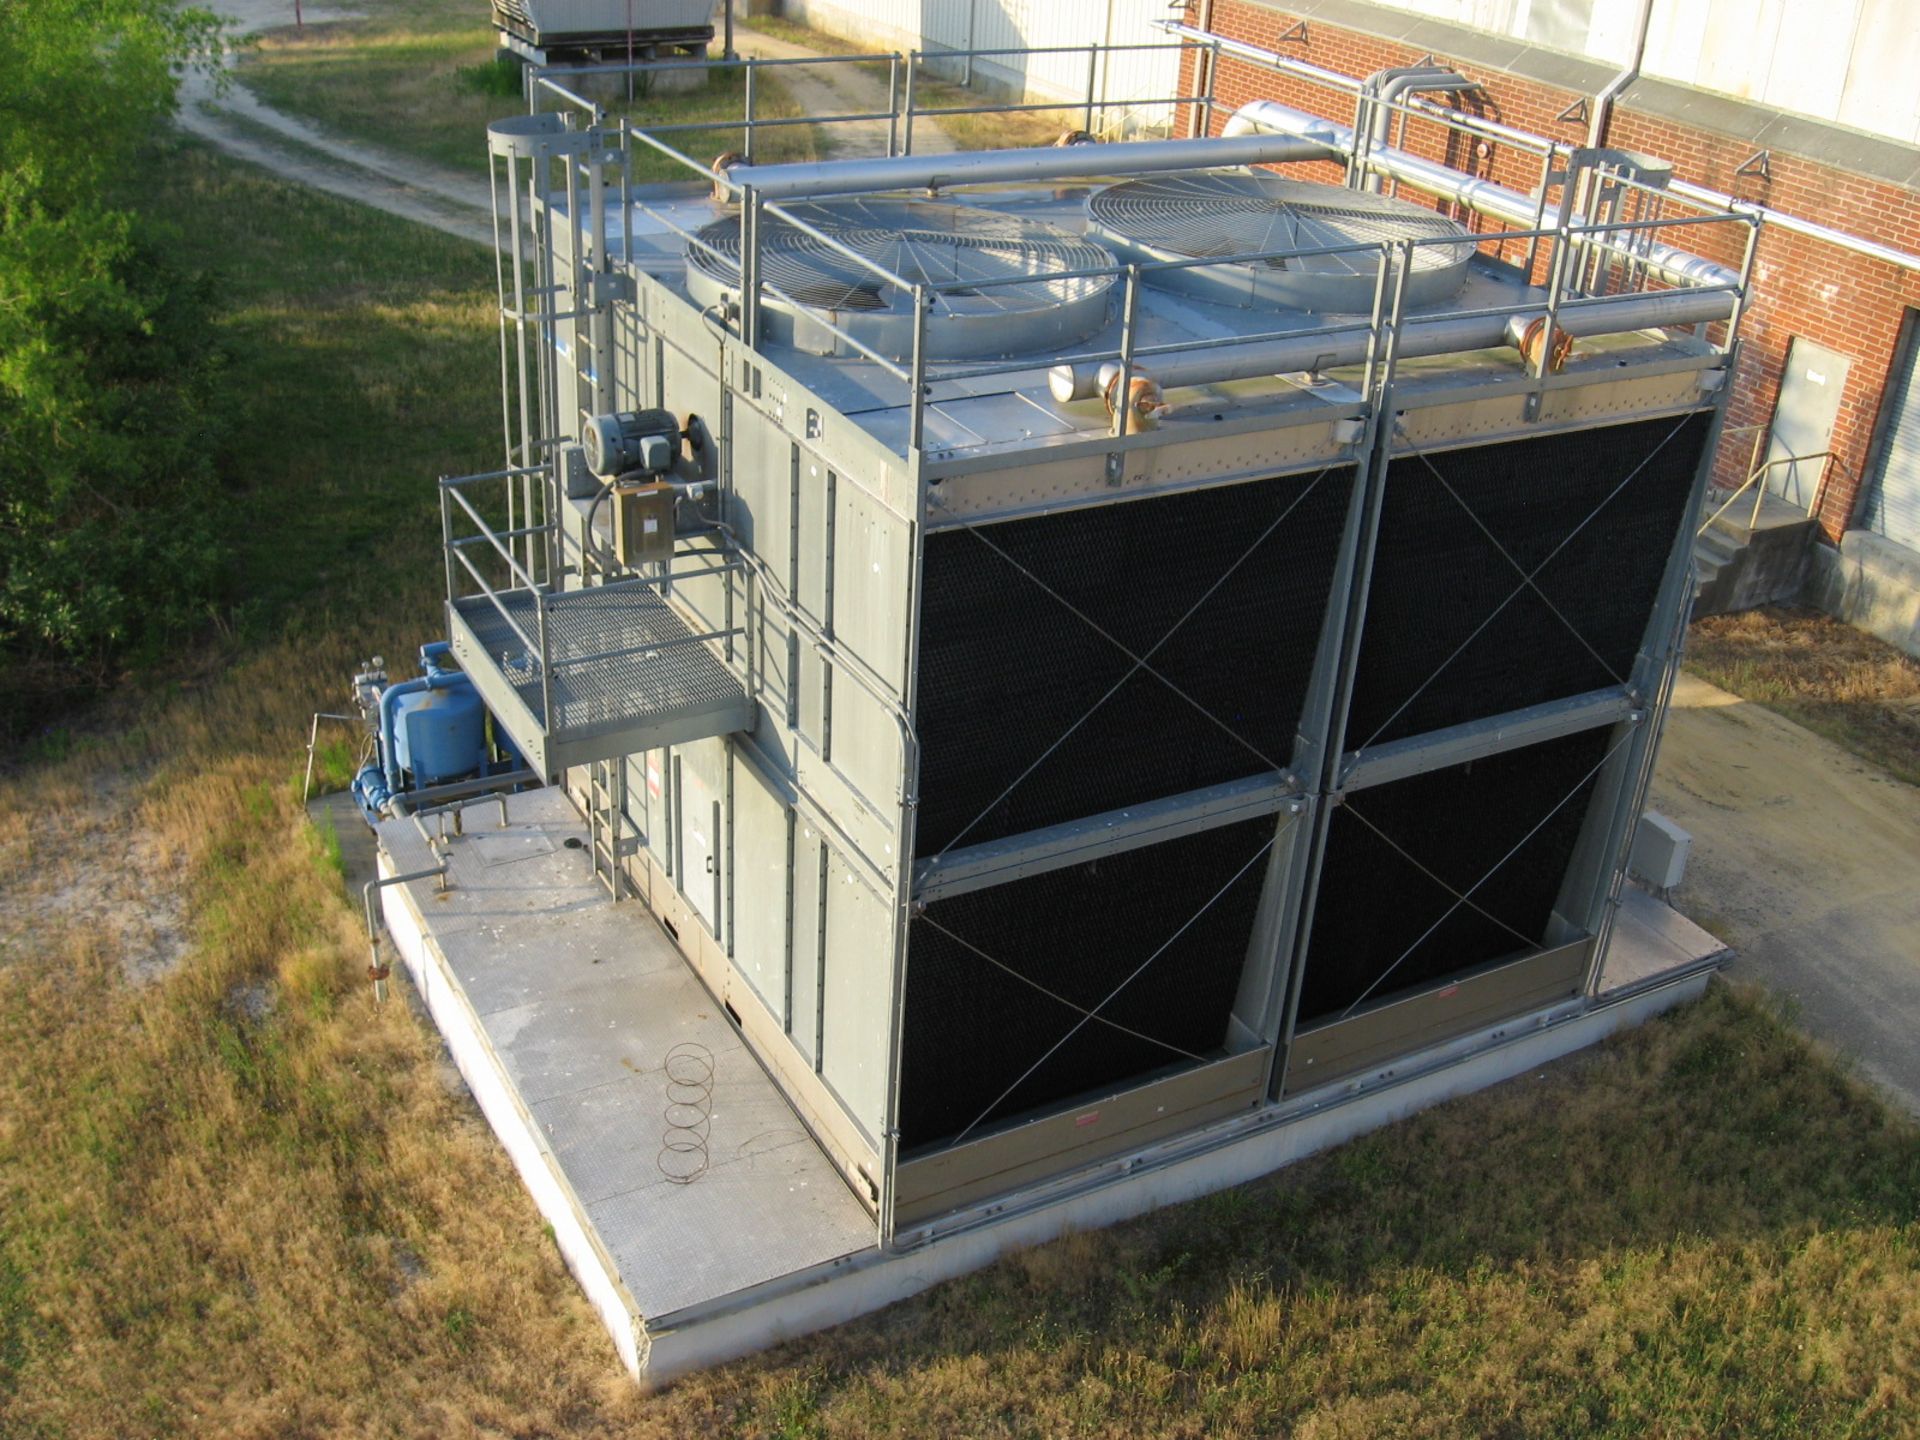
(631,440)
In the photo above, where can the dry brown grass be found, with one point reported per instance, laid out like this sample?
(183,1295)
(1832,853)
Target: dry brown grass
(1839,682)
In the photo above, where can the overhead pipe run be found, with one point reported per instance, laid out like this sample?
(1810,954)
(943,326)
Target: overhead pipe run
(1443,335)
(1382,92)
(980,167)
(1679,267)
(1540,144)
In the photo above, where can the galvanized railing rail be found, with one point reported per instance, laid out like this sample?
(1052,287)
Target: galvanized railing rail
(1754,476)
(1613,247)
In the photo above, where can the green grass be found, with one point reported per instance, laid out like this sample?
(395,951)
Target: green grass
(420,77)
(220,1217)
(1856,690)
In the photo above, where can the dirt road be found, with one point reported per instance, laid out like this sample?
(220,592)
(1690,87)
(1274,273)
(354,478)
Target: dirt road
(1808,861)
(840,90)
(241,124)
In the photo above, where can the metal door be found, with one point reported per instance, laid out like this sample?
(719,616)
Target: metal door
(1893,486)
(699,849)
(1803,419)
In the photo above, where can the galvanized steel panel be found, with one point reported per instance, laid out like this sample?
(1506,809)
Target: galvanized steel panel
(761,875)
(858,996)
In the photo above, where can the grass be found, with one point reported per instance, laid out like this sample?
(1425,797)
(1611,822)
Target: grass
(420,77)
(932,92)
(243,1201)
(1843,683)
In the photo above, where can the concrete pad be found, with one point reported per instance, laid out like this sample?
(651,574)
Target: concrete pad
(561,1010)
(1808,861)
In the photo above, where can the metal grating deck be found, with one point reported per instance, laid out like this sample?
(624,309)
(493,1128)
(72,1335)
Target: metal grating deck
(628,674)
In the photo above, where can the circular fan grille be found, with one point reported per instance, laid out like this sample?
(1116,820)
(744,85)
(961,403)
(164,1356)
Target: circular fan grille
(1193,216)
(923,243)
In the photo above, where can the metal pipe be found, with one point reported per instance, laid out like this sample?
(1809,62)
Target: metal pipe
(1678,267)
(1387,97)
(1603,102)
(977,167)
(1445,335)
(1541,144)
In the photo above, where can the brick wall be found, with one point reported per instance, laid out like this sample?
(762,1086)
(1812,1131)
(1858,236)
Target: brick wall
(1846,302)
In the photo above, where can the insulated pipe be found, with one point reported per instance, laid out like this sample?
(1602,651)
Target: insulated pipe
(1680,267)
(1444,335)
(976,167)
(1540,144)
(1386,94)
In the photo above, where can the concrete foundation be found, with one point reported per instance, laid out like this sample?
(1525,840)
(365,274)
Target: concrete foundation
(561,1010)
(1746,561)
(1870,582)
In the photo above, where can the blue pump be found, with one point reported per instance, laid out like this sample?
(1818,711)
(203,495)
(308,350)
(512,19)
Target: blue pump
(429,731)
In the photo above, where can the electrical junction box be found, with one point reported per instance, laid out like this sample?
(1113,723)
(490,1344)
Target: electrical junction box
(1660,850)
(578,477)
(643,523)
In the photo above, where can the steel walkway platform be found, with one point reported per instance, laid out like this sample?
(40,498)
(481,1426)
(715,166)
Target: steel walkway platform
(625,673)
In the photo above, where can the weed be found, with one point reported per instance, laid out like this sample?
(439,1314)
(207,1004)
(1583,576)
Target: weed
(497,77)
(1837,681)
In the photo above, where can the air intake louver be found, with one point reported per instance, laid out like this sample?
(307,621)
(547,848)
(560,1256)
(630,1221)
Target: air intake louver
(1388,917)
(976,1025)
(1030,715)
(1454,631)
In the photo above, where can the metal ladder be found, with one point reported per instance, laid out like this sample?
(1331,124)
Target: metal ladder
(607,824)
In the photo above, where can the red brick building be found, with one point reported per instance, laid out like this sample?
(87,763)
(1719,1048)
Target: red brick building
(1849,305)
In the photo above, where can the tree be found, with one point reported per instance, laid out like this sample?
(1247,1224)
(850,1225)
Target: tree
(108,493)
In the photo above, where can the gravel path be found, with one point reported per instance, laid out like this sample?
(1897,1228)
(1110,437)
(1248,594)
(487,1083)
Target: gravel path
(238,122)
(241,124)
(1808,861)
(839,90)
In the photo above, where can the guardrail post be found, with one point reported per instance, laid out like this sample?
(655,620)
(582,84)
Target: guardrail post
(750,265)
(1123,396)
(1093,76)
(746,134)
(893,104)
(917,414)
(913,64)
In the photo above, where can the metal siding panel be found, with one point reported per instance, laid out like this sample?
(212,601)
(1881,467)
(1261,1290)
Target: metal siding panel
(1879,94)
(762,505)
(857,1001)
(804,974)
(1893,501)
(760,878)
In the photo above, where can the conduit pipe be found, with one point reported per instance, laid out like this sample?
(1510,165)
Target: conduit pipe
(1679,267)
(1073,162)
(1444,335)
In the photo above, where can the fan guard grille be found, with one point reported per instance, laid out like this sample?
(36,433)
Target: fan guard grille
(1201,214)
(922,242)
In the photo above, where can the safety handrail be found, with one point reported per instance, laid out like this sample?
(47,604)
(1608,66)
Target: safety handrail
(1760,496)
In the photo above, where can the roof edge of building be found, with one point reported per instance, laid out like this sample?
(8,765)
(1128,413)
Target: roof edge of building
(1823,141)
